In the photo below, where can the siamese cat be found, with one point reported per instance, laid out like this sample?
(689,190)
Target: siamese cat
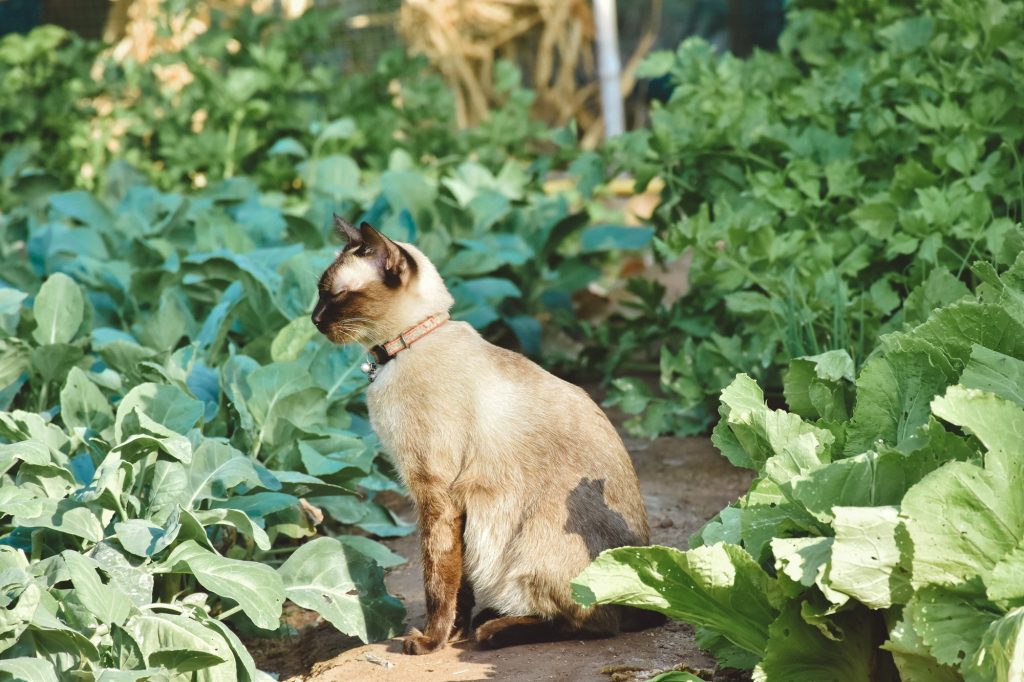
(519,479)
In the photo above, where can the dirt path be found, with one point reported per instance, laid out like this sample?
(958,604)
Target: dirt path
(684,482)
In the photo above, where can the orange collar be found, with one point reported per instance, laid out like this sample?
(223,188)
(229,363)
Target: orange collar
(385,352)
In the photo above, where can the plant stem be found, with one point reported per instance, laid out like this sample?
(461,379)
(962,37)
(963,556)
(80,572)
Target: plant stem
(230,612)
(43,395)
(236,125)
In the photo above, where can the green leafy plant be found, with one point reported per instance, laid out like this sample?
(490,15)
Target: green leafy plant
(881,537)
(816,188)
(170,414)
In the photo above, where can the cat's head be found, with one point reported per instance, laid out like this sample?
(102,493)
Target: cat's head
(376,288)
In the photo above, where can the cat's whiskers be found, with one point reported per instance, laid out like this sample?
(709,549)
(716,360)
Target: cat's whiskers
(348,332)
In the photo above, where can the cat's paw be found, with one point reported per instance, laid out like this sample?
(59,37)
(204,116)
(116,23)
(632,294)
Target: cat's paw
(416,643)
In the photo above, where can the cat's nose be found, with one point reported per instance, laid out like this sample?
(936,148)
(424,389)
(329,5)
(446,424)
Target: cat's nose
(318,315)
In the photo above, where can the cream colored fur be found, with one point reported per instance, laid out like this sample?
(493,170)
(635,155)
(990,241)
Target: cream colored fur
(507,442)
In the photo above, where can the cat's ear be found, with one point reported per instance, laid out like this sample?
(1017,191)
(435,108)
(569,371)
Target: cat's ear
(347,230)
(389,255)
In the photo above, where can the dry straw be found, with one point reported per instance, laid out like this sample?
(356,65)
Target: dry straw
(552,40)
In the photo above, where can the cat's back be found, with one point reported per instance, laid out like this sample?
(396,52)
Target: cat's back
(481,399)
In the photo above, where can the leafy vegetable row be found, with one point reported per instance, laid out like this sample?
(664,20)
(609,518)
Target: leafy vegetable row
(816,189)
(882,536)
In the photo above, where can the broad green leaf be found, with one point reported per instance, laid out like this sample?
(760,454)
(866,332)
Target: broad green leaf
(82,405)
(168,486)
(288,146)
(257,588)
(144,539)
(21,603)
(867,556)
(997,423)
(20,502)
(29,451)
(950,621)
(282,396)
(180,643)
(912,658)
(802,560)
(779,443)
(245,666)
(110,484)
(152,437)
(409,191)
(894,391)
(259,505)
(384,557)
(369,516)
(1005,583)
(165,404)
(819,386)
(83,207)
(242,522)
(336,371)
(866,480)
(292,339)
(342,453)
(46,481)
(718,587)
(18,426)
(336,175)
(798,652)
(962,521)
(65,516)
(171,321)
(135,582)
(1000,658)
(103,601)
(766,513)
(991,371)
(956,328)
(59,309)
(215,471)
(53,362)
(339,129)
(344,586)
(28,669)
(111,675)
(724,527)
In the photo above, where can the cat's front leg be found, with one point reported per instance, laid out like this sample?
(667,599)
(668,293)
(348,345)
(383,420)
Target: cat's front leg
(441,524)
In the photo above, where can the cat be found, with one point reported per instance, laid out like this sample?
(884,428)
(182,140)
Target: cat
(518,477)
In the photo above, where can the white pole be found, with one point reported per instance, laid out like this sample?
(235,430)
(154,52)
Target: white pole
(609,66)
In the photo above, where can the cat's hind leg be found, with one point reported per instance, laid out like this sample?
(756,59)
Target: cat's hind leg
(600,621)
(510,630)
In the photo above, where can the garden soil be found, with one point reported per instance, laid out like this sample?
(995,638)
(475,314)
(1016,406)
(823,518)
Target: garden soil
(684,482)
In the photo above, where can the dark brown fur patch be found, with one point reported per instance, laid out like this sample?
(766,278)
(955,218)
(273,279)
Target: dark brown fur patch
(441,526)
(590,517)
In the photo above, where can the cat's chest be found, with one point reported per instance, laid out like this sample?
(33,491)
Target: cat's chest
(401,410)
(425,420)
